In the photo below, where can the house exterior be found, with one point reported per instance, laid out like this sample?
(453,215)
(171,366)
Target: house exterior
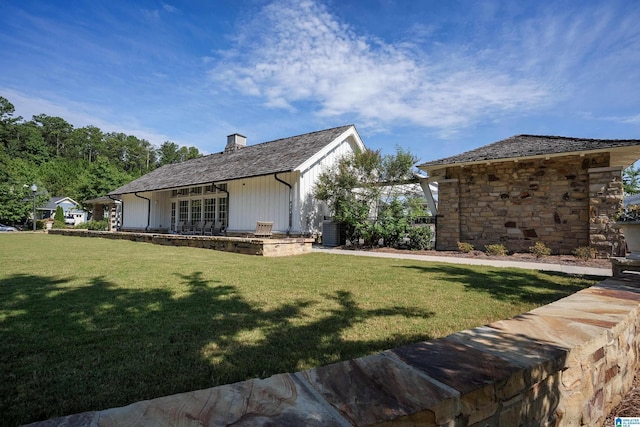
(69,207)
(271,181)
(561,191)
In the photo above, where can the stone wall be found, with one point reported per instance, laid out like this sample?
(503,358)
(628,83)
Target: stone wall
(247,246)
(565,202)
(565,364)
(606,196)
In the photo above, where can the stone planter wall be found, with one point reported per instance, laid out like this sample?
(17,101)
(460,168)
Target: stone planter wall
(565,364)
(248,246)
(565,202)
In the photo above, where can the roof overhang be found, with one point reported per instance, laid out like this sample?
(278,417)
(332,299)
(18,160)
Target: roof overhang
(622,157)
(196,184)
(350,134)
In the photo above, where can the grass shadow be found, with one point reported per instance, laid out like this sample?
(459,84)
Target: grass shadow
(506,284)
(69,348)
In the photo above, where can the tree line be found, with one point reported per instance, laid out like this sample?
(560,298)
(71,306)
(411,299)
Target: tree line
(81,163)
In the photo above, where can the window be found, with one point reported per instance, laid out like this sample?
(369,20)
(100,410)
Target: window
(183,210)
(222,211)
(196,210)
(222,187)
(209,209)
(195,190)
(209,188)
(173,216)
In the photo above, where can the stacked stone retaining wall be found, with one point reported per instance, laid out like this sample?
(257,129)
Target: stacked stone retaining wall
(565,364)
(248,246)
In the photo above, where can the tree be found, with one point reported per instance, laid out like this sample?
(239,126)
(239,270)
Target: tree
(7,122)
(365,192)
(170,152)
(16,199)
(631,180)
(55,131)
(58,218)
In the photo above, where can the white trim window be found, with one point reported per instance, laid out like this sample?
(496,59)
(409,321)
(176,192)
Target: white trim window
(196,210)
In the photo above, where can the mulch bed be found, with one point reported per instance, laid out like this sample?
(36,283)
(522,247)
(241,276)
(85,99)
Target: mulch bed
(524,257)
(630,405)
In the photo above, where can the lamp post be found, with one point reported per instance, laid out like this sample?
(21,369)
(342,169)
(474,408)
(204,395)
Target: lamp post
(34,188)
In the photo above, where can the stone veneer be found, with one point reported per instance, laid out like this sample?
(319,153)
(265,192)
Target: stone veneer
(241,245)
(565,364)
(565,202)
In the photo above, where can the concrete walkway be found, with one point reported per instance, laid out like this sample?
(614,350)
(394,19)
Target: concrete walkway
(568,269)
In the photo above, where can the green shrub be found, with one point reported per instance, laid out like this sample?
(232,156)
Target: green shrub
(59,216)
(40,224)
(102,225)
(540,250)
(496,249)
(465,247)
(585,253)
(420,238)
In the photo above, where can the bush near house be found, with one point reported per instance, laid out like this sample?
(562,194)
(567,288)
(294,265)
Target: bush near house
(496,249)
(366,192)
(58,218)
(465,247)
(102,225)
(585,253)
(540,250)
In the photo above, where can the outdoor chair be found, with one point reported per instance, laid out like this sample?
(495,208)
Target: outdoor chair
(207,230)
(198,228)
(187,228)
(180,227)
(263,229)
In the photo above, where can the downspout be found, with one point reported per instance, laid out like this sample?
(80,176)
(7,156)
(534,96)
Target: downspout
(275,175)
(228,207)
(148,210)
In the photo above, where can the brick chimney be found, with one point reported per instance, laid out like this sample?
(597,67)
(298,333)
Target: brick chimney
(235,142)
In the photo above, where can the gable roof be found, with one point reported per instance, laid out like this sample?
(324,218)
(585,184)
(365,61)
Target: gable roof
(281,155)
(624,151)
(53,203)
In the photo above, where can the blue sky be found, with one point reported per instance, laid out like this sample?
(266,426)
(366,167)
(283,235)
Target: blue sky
(436,77)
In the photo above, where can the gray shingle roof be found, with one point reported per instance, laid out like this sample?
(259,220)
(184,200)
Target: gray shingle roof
(281,155)
(519,146)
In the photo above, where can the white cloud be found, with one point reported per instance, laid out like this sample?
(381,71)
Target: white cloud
(299,52)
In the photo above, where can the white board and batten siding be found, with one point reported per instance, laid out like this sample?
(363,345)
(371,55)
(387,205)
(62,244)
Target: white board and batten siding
(309,211)
(259,199)
(136,209)
(134,212)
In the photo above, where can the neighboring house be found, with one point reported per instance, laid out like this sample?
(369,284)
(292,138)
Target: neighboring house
(561,191)
(69,208)
(271,181)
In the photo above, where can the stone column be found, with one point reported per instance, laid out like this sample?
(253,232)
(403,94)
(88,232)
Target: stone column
(112,217)
(606,198)
(448,219)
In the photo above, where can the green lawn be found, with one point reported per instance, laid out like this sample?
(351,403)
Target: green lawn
(88,324)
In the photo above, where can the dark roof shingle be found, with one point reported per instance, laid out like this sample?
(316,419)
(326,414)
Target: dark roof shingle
(519,146)
(281,155)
